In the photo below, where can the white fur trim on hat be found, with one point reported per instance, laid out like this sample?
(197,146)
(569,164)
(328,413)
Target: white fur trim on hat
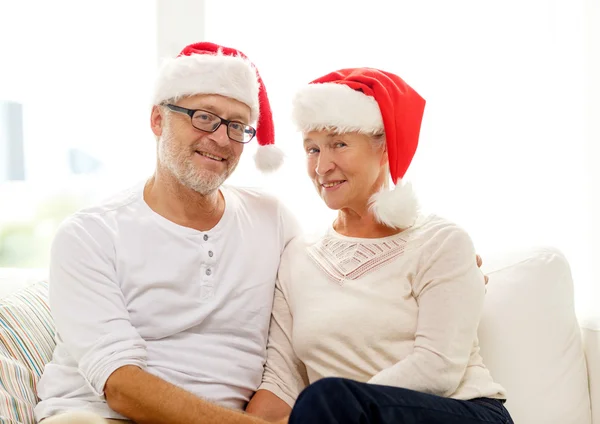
(335,106)
(397,208)
(229,76)
(268,158)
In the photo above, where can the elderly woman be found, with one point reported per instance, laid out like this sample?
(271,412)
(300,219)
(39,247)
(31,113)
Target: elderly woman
(374,321)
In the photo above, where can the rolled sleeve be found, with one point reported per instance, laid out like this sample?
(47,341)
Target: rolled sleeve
(87,303)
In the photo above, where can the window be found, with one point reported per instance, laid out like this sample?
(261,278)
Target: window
(79,75)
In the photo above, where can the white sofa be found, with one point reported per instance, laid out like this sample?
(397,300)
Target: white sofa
(531,340)
(530,337)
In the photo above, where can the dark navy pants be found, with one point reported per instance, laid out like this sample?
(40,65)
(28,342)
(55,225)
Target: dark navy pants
(337,400)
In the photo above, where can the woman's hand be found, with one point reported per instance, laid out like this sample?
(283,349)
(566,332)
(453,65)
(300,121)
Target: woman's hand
(479,263)
(269,407)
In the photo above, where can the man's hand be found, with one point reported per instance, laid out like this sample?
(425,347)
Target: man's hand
(147,399)
(479,263)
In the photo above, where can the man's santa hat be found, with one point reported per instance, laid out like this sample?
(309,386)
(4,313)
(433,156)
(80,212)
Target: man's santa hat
(370,101)
(207,68)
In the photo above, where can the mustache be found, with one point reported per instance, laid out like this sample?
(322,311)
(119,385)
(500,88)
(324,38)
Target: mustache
(212,149)
(168,137)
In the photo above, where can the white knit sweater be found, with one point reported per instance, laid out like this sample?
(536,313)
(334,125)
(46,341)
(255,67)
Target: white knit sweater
(400,311)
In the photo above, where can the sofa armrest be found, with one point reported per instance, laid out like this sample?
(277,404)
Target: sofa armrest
(590,328)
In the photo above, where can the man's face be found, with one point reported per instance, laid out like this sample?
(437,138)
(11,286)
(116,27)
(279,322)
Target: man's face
(199,160)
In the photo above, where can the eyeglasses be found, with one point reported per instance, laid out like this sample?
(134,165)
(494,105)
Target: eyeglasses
(207,121)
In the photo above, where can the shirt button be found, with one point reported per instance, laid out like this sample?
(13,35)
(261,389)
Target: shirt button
(205,237)
(210,253)
(208,271)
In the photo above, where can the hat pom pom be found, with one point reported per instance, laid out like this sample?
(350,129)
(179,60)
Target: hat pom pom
(397,208)
(268,158)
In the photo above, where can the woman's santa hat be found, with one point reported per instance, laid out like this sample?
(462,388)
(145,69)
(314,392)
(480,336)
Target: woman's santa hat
(208,68)
(370,101)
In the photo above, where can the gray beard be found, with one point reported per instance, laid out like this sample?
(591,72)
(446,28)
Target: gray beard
(181,165)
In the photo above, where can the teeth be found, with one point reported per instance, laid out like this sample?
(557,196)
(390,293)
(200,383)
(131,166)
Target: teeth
(208,155)
(328,185)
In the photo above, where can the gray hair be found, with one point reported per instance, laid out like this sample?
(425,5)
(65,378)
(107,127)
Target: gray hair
(171,100)
(378,141)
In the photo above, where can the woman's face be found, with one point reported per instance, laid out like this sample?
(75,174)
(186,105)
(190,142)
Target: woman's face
(346,169)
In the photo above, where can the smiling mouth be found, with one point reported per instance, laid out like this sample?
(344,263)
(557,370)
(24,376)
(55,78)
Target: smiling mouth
(209,156)
(332,184)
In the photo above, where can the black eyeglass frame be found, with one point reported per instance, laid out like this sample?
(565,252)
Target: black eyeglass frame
(192,112)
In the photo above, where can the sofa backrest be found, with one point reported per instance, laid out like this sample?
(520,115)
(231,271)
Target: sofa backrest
(531,340)
(529,335)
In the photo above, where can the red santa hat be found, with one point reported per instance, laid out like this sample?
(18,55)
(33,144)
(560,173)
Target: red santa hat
(370,101)
(208,68)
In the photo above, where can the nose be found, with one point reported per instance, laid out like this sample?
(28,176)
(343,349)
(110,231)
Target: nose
(220,136)
(324,164)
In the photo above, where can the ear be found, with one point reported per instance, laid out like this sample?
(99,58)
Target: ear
(384,155)
(157,120)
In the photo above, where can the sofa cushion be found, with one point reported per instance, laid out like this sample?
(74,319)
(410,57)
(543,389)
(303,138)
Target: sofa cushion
(26,345)
(531,340)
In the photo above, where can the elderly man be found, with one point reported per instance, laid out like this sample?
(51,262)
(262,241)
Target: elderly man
(162,295)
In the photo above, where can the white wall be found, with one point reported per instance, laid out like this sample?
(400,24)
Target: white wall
(504,148)
(178,23)
(592,45)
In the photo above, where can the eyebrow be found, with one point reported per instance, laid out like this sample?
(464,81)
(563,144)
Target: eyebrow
(233,117)
(329,137)
(236,117)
